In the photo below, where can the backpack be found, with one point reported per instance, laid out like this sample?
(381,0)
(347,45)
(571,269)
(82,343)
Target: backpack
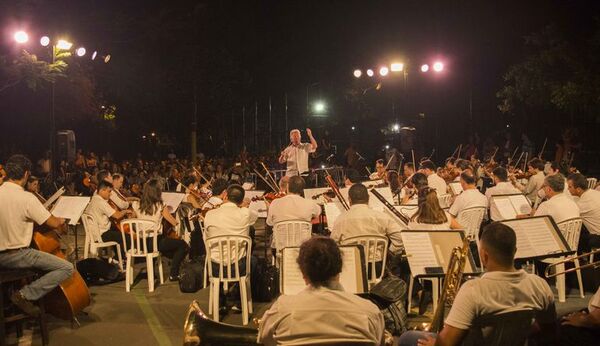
(389,295)
(191,275)
(265,281)
(96,271)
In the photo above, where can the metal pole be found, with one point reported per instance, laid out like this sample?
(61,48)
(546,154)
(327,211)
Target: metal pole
(52,124)
(270,127)
(256,126)
(243,126)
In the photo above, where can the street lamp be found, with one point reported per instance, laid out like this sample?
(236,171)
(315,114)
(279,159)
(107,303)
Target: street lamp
(438,66)
(45,41)
(80,51)
(21,36)
(397,67)
(424,68)
(357,73)
(383,71)
(370,73)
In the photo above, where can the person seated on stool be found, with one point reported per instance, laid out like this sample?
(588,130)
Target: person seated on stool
(323,312)
(582,327)
(502,288)
(20,210)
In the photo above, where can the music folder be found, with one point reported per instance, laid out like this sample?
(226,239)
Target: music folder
(70,207)
(353,276)
(455,188)
(428,252)
(172,200)
(511,205)
(538,237)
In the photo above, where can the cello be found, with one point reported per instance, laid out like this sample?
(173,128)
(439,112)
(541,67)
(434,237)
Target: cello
(72,295)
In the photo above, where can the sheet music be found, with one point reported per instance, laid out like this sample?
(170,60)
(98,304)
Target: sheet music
(70,207)
(419,251)
(505,208)
(349,277)
(332,211)
(292,276)
(376,204)
(456,188)
(247,186)
(172,200)
(534,238)
(54,197)
(260,207)
(521,204)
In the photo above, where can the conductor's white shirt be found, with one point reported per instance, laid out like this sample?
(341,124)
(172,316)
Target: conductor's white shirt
(297,158)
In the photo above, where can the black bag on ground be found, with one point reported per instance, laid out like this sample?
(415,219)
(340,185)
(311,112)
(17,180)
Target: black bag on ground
(389,295)
(96,271)
(265,281)
(191,275)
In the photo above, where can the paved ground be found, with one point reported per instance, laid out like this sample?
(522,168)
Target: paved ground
(139,317)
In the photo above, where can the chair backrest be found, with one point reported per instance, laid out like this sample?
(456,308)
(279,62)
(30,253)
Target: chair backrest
(445,200)
(375,248)
(139,231)
(471,219)
(570,230)
(592,182)
(509,328)
(227,251)
(290,234)
(91,228)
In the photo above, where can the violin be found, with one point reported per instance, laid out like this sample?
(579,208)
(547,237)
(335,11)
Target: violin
(448,174)
(269,197)
(87,182)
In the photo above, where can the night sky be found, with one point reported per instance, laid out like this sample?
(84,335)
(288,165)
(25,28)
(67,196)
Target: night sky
(172,57)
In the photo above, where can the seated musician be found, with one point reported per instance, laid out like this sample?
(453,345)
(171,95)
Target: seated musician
(470,197)
(430,216)
(219,192)
(190,186)
(33,186)
(501,289)
(433,180)
(503,187)
(409,170)
(116,196)
(588,201)
(535,167)
(379,170)
(20,210)
(293,207)
(582,327)
(462,165)
(558,205)
(321,313)
(151,207)
(102,212)
(409,193)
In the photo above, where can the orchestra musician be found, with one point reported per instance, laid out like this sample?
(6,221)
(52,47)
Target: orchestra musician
(582,327)
(560,206)
(33,186)
(192,194)
(296,154)
(470,197)
(379,170)
(151,208)
(292,207)
(20,210)
(219,192)
(322,313)
(510,288)
(430,215)
(433,180)
(502,187)
(409,194)
(116,196)
(535,167)
(102,212)
(588,202)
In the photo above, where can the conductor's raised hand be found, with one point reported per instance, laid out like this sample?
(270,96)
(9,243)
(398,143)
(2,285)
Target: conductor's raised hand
(309,132)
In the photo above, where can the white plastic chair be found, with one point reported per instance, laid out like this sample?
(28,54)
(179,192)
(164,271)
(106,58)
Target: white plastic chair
(140,231)
(592,182)
(225,251)
(471,219)
(290,234)
(570,230)
(445,200)
(435,291)
(375,248)
(93,240)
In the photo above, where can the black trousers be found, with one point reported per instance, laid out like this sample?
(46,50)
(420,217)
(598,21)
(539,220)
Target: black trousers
(588,241)
(115,235)
(175,249)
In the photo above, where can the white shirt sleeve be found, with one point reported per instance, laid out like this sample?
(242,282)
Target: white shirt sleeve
(463,309)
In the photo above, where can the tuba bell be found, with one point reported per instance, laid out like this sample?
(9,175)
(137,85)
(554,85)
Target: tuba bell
(199,330)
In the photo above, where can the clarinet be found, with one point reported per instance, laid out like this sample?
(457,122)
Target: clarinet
(390,207)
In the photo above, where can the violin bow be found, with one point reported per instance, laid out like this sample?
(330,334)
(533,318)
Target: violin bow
(270,177)
(543,148)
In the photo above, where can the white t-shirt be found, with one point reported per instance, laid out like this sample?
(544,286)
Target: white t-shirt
(297,158)
(156,218)
(119,200)
(18,212)
(101,211)
(468,199)
(589,206)
(436,182)
(560,207)
(498,292)
(228,219)
(292,208)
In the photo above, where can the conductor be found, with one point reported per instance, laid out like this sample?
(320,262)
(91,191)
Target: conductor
(296,154)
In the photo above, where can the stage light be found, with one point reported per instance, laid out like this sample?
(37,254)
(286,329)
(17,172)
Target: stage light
(357,73)
(21,36)
(397,67)
(424,68)
(153,134)
(353,128)
(80,51)
(396,127)
(45,41)
(370,73)
(319,107)
(383,71)
(64,45)
(438,66)
(387,146)
(144,137)
(107,58)
(94,55)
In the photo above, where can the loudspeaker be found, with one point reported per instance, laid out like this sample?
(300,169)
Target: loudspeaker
(65,145)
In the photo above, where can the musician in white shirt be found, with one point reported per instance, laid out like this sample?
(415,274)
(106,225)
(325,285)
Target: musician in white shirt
(20,210)
(430,216)
(433,180)
(360,220)
(558,205)
(536,168)
(588,201)
(219,192)
(503,187)
(296,154)
(115,194)
(292,207)
(322,313)
(470,197)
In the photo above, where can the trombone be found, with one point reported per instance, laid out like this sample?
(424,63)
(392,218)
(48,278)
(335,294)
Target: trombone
(592,265)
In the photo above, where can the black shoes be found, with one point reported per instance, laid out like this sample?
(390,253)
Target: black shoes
(28,307)
(173,278)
